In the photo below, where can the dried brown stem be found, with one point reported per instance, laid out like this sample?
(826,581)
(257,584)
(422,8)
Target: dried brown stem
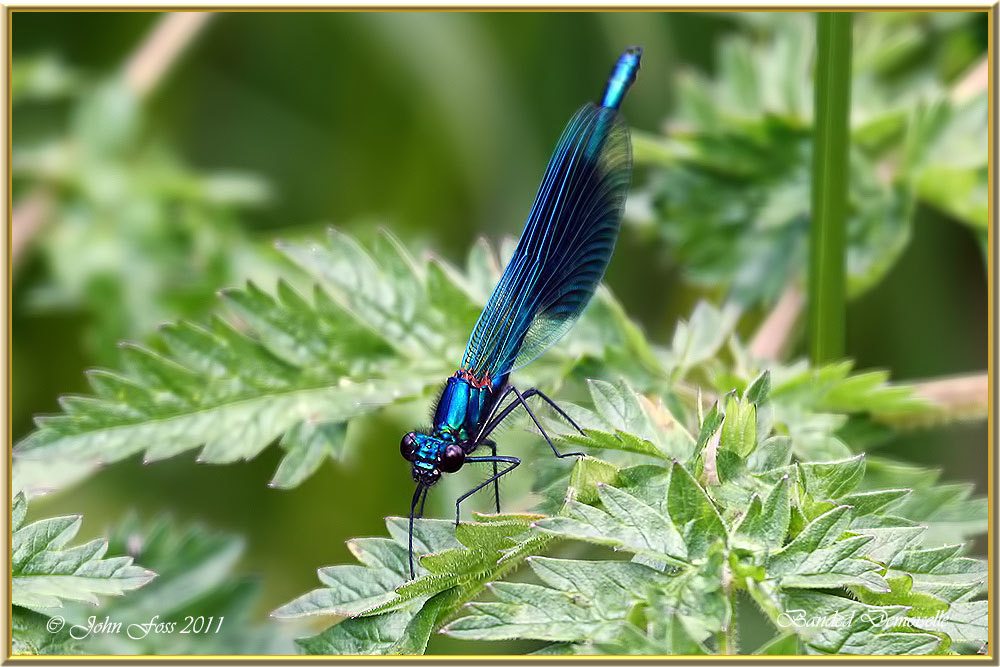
(773,335)
(28,216)
(975,81)
(151,60)
(960,397)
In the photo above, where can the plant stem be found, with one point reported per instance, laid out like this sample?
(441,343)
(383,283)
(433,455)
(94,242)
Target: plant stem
(827,256)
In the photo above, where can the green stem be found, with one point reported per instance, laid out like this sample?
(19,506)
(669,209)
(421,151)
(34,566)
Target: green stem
(827,252)
(722,639)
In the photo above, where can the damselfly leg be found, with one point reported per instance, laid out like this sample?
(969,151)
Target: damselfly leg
(521,399)
(419,496)
(512,460)
(496,484)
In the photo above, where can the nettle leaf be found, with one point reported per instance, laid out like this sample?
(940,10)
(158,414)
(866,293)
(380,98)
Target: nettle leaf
(403,632)
(833,389)
(739,429)
(949,511)
(196,577)
(766,523)
(391,614)
(46,573)
(308,444)
(941,571)
(625,420)
(801,538)
(31,634)
(277,365)
(379,326)
(833,479)
(583,600)
(626,523)
(693,512)
(595,605)
(830,624)
(820,557)
(853,547)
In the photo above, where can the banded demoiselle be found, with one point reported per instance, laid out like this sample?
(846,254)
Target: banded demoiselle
(556,267)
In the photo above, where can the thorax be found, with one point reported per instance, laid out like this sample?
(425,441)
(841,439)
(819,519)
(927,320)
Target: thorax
(464,406)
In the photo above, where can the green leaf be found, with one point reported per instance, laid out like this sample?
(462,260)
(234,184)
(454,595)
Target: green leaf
(700,337)
(31,634)
(46,573)
(625,420)
(851,627)
(19,509)
(693,512)
(739,429)
(831,480)
(757,392)
(308,445)
(710,424)
(584,600)
(628,523)
(901,593)
(767,524)
(949,511)
(587,474)
(729,193)
(941,571)
(378,327)
(196,576)
(819,557)
(780,645)
(402,632)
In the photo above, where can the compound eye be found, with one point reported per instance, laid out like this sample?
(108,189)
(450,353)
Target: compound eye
(407,446)
(453,458)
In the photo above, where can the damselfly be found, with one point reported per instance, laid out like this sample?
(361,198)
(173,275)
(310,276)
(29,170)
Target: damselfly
(557,264)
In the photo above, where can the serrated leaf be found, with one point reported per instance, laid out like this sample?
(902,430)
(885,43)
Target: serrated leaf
(308,446)
(767,523)
(197,575)
(901,592)
(46,573)
(739,429)
(31,635)
(759,390)
(584,600)
(819,557)
(780,645)
(693,512)
(628,523)
(625,420)
(851,627)
(380,326)
(833,479)
(401,632)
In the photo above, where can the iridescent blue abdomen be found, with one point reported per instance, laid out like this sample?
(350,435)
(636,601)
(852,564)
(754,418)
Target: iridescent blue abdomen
(621,77)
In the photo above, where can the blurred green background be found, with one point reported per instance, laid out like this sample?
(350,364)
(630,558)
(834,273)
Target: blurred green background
(434,125)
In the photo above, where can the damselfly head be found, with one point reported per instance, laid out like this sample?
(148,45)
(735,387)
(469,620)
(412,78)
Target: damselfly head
(426,476)
(408,445)
(430,456)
